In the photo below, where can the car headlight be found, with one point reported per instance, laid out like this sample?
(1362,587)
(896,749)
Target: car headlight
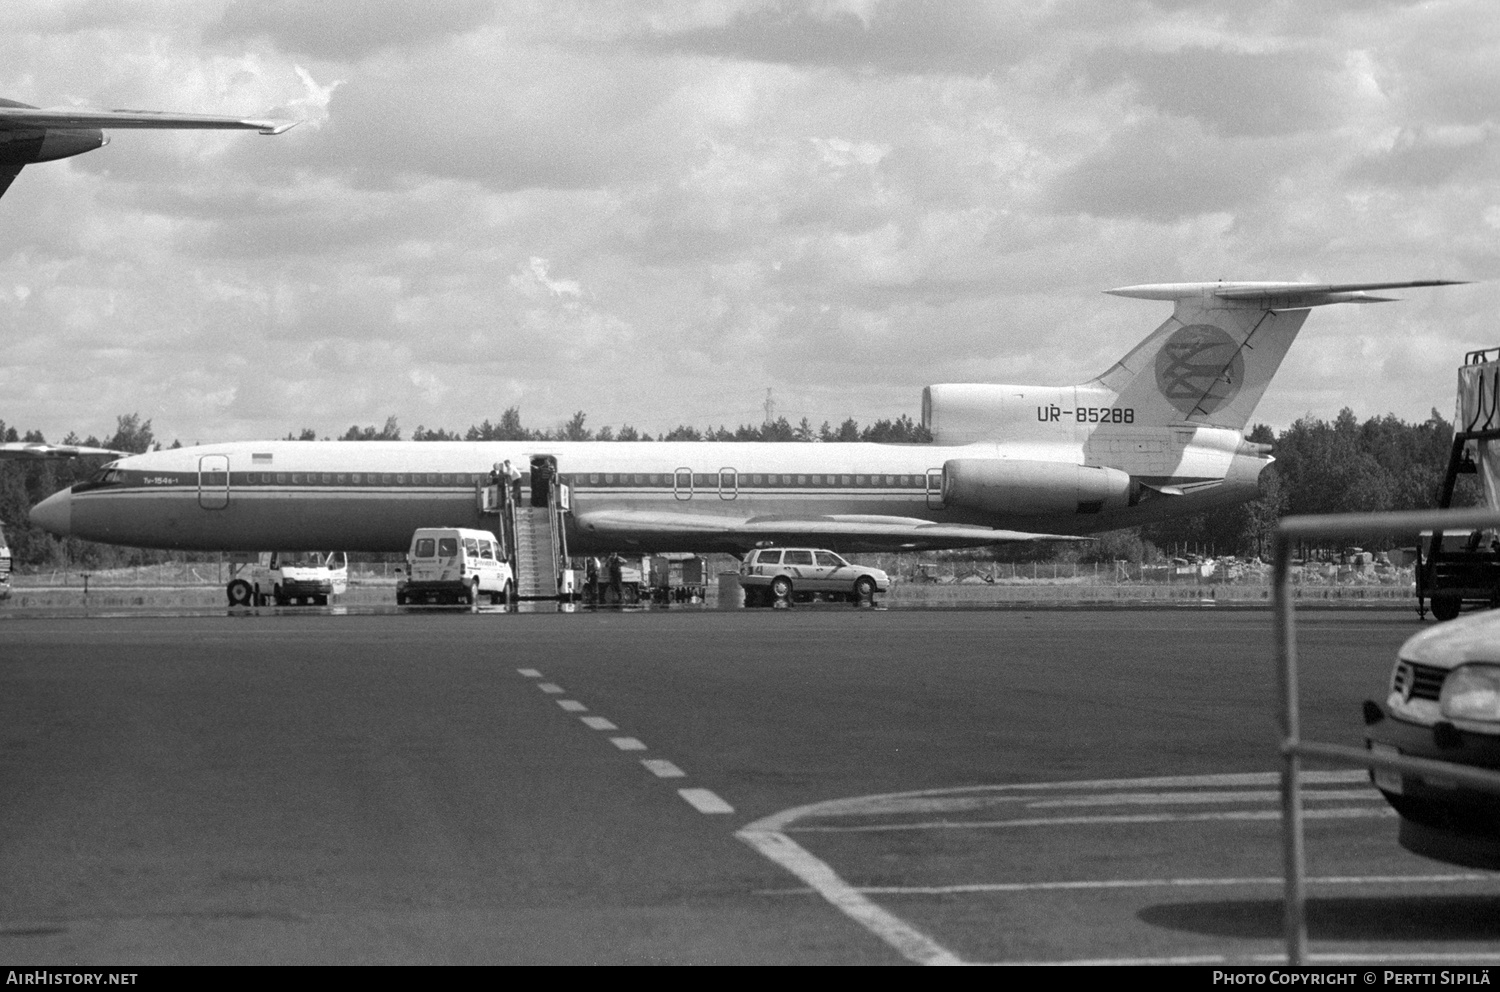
(1471,692)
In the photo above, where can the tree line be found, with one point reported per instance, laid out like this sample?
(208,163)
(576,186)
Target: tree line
(901,430)
(1337,466)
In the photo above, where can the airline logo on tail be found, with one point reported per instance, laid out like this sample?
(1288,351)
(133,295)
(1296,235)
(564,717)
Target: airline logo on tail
(1199,369)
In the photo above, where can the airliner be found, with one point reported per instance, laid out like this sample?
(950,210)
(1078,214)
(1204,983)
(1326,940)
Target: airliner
(31,134)
(1159,434)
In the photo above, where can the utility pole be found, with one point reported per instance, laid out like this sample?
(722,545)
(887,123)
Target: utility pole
(770,407)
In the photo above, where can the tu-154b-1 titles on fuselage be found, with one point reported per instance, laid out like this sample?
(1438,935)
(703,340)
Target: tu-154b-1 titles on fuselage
(31,134)
(1157,435)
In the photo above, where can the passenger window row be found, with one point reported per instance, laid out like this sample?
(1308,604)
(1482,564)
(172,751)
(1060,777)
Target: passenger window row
(359,478)
(745,479)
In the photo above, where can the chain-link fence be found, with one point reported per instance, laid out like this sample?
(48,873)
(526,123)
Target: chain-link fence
(903,568)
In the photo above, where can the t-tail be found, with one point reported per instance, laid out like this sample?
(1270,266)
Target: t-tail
(1207,366)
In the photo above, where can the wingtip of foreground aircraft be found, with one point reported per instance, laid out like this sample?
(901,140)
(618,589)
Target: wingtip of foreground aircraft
(37,450)
(160,118)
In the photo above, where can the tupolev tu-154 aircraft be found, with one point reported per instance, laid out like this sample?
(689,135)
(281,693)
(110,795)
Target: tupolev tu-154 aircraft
(1159,434)
(30,134)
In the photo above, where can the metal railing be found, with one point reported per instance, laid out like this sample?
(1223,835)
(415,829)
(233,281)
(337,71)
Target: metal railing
(1293,747)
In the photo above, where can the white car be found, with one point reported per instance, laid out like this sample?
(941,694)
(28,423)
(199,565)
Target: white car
(1444,704)
(455,565)
(770,575)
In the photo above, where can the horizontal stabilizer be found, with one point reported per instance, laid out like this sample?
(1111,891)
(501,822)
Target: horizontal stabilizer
(1273,295)
(37,450)
(847,531)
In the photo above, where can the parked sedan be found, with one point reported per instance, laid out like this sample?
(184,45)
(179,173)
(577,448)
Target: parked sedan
(771,575)
(1444,704)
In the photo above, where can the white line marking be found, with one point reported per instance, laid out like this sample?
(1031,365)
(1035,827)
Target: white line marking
(911,943)
(530,673)
(980,796)
(597,723)
(662,768)
(705,801)
(627,744)
(572,705)
(769,836)
(551,687)
(1477,957)
(1335,813)
(1197,798)
(1155,883)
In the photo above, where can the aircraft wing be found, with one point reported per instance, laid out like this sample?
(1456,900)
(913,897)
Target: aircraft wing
(37,450)
(848,531)
(68,117)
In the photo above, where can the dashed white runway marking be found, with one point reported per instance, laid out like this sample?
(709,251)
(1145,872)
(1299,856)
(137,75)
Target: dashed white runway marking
(705,801)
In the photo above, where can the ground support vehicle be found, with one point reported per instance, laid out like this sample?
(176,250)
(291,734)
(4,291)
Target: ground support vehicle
(446,565)
(1444,705)
(287,578)
(1459,570)
(780,576)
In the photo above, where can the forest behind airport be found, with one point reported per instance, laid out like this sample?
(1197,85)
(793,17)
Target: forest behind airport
(1338,466)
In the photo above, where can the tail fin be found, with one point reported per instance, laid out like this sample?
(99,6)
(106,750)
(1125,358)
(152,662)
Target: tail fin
(1214,357)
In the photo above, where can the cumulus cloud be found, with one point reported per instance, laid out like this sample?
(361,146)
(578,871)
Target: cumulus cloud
(970,37)
(656,213)
(346,30)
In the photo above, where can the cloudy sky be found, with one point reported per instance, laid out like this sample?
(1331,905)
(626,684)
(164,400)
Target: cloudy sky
(655,212)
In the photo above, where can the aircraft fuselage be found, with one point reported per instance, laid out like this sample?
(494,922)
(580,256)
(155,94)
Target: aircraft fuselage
(371,496)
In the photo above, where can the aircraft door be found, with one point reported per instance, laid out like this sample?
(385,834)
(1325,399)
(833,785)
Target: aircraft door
(729,483)
(213,482)
(682,483)
(543,474)
(934,489)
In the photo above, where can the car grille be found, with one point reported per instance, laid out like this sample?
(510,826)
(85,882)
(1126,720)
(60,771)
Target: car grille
(1414,681)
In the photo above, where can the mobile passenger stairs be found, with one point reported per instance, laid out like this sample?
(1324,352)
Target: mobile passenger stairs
(1465,569)
(534,532)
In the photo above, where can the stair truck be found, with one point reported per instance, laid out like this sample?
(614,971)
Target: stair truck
(1458,570)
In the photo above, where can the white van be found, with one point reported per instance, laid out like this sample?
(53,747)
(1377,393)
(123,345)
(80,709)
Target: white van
(455,565)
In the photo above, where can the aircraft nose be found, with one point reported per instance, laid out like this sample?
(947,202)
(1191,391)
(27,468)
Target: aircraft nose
(55,513)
